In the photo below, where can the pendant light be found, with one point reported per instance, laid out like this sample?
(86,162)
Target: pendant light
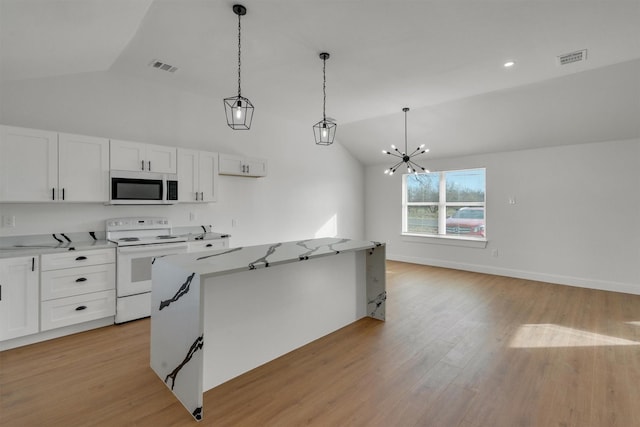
(239,110)
(325,130)
(403,156)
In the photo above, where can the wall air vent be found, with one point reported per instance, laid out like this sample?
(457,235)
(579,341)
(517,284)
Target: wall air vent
(163,66)
(568,58)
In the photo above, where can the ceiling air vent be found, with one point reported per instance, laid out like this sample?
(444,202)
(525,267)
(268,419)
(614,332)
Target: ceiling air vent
(568,58)
(163,66)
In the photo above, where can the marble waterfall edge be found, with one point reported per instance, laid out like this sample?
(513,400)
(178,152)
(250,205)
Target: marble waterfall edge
(177,316)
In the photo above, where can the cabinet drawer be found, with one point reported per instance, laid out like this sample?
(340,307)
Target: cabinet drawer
(68,311)
(77,281)
(207,245)
(77,259)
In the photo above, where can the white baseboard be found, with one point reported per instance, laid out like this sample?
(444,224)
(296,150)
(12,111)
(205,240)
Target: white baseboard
(55,333)
(581,282)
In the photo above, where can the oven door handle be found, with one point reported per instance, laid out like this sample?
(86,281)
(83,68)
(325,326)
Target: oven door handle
(151,248)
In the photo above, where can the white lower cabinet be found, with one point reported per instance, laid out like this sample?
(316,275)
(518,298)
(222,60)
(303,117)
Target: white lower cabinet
(19,300)
(77,287)
(82,308)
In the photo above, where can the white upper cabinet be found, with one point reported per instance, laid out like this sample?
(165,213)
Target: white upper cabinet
(242,166)
(83,168)
(197,176)
(28,164)
(138,156)
(43,166)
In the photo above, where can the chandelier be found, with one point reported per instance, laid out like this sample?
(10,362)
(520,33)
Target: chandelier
(325,130)
(238,109)
(403,156)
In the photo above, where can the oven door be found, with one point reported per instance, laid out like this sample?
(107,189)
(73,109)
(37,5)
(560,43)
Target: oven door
(134,265)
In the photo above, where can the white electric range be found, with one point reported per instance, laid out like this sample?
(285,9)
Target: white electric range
(140,241)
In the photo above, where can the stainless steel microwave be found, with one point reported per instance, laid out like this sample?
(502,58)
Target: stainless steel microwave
(143,188)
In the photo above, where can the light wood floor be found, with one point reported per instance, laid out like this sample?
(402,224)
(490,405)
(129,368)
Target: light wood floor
(458,349)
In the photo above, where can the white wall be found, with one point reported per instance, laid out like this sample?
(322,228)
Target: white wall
(310,190)
(575,221)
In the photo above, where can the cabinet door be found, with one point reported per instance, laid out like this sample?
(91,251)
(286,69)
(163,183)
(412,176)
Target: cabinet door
(256,167)
(128,156)
(187,175)
(230,165)
(161,159)
(19,302)
(28,165)
(83,168)
(208,176)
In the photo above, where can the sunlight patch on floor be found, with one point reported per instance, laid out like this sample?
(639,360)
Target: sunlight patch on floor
(549,335)
(634,323)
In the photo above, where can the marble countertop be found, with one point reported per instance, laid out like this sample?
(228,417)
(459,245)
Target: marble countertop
(49,248)
(39,244)
(231,260)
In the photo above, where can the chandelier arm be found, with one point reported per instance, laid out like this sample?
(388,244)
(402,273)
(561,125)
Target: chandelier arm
(416,151)
(394,155)
(394,167)
(417,165)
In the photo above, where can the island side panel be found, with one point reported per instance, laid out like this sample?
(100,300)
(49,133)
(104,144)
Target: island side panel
(176,333)
(255,316)
(376,282)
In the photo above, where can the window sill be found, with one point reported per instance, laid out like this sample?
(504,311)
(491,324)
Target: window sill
(445,240)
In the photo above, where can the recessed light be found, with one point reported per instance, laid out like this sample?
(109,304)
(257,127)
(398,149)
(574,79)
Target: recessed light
(509,64)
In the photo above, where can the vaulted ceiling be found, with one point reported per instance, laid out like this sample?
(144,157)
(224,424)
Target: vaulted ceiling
(442,58)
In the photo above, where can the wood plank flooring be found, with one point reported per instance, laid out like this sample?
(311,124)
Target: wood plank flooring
(458,349)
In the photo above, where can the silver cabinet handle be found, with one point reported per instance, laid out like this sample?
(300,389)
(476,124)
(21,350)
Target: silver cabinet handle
(142,163)
(53,194)
(149,166)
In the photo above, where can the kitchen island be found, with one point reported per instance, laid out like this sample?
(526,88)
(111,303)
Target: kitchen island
(216,316)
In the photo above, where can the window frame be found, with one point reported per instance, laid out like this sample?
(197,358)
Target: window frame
(442,205)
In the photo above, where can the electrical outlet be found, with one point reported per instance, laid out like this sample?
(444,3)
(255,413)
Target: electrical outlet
(192,216)
(9,220)
(234,223)
(494,253)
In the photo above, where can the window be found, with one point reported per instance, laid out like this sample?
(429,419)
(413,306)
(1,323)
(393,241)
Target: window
(448,203)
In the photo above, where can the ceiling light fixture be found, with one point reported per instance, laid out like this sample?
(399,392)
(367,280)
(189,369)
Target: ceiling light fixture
(509,64)
(404,157)
(239,110)
(325,130)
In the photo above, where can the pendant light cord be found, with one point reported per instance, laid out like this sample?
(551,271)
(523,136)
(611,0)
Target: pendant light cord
(324,88)
(239,63)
